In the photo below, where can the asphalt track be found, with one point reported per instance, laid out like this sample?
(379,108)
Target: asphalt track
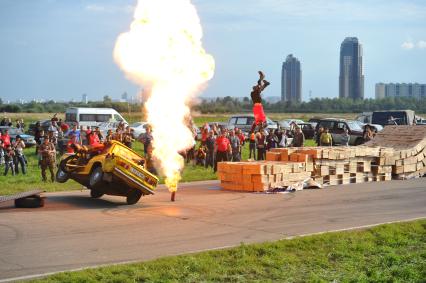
(74,231)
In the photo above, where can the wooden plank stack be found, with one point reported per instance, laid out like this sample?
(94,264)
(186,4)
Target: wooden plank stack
(397,152)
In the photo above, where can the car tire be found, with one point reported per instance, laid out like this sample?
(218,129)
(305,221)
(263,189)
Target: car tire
(95,193)
(62,164)
(133,196)
(96,178)
(29,202)
(61,175)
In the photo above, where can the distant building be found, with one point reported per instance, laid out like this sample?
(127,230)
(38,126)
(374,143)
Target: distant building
(351,78)
(400,90)
(291,80)
(85,98)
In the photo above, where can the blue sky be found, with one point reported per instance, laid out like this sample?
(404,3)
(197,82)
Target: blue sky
(61,49)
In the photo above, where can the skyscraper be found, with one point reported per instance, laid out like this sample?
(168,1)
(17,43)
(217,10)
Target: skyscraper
(351,79)
(291,80)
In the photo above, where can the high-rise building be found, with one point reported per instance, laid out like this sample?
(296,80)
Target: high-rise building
(351,78)
(84,98)
(400,90)
(291,80)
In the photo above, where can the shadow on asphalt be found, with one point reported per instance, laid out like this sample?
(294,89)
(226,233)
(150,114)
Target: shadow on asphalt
(55,203)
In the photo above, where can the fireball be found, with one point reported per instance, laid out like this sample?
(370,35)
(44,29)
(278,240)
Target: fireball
(163,52)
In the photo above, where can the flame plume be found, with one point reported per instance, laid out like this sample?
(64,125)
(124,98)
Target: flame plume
(163,52)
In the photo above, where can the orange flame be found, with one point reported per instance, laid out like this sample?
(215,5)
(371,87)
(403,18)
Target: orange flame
(164,53)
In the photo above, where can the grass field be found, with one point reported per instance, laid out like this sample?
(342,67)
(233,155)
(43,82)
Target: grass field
(387,253)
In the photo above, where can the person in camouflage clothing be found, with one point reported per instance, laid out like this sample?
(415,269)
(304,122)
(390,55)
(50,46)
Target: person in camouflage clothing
(48,155)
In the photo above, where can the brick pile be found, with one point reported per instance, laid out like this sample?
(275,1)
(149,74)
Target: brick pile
(397,152)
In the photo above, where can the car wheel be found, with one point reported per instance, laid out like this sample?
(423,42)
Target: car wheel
(63,163)
(29,202)
(95,179)
(133,196)
(61,175)
(95,193)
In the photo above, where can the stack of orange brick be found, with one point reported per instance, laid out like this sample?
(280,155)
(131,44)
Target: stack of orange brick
(259,176)
(397,152)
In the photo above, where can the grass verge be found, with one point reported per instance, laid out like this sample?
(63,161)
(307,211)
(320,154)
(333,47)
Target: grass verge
(386,253)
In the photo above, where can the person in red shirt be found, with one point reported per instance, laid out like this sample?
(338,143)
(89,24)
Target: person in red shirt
(93,139)
(73,140)
(6,138)
(222,148)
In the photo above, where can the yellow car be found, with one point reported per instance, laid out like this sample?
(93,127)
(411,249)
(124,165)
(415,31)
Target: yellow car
(111,169)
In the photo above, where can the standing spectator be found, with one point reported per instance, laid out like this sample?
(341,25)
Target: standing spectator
(299,138)
(210,145)
(261,145)
(76,133)
(48,153)
(283,140)
(54,118)
(252,145)
(1,151)
(93,139)
(37,133)
(204,135)
(9,156)
(345,137)
(149,160)
(222,148)
(146,138)
(190,152)
(3,122)
(65,127)
(118,136)
(52,138)
(200,156)
(235,146)
(271,141)
(318,136)
(19,146)
(6,139)
(72,141)
(326,139)
(128,137)
(368,133)
(53,128)
(98,132)
(109,136)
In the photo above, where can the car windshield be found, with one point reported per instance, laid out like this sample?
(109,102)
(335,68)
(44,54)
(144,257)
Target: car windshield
(354,126)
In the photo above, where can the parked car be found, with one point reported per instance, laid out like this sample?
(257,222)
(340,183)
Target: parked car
(337,127)
(284,125)
(245,122)
(13,132)
(308,130)
(139,128)
(44,125)
(116,170)
(393,117)
(314,121)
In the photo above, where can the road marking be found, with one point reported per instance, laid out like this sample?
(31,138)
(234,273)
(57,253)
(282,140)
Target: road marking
(27,277)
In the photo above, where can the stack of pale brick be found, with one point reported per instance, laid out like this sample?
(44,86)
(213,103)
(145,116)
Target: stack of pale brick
(397,152)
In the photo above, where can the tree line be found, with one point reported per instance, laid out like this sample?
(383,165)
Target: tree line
(231,105)
(316,105)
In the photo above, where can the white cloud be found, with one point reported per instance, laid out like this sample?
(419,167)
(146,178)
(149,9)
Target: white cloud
(421,44)
(407,45)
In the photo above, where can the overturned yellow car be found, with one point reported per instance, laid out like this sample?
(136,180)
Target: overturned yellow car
(111,169)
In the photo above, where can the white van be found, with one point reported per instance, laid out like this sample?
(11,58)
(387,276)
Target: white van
(92,116)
